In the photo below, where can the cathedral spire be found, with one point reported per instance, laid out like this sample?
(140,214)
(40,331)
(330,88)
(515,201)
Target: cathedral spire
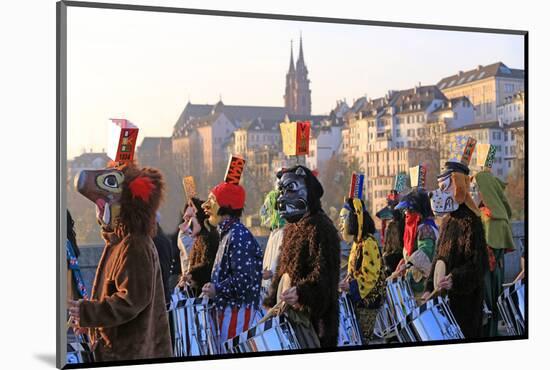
(301,55)
(291,67)
(297,93)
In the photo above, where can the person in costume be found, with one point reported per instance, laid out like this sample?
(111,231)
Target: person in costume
(271,218)
(237,271)
(495,216)
(205,246)
(419,239)
(126,314)
(391,232)
(310,254)
(76,288)
(365,280)
(185,241)
(461,246)
(164,251)
(386,213)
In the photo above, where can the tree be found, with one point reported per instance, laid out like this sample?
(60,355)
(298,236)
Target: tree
(335,179)
(515,191)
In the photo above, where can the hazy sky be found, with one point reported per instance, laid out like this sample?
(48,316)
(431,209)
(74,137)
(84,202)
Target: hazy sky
(146,66)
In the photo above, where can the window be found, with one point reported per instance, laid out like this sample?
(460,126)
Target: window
(506,150)
(505,135)
(397,133)
(478,109)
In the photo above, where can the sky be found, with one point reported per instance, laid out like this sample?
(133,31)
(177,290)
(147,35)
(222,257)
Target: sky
(146,66)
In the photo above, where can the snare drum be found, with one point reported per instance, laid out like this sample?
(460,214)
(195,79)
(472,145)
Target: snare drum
(400,300)
(349,333)
(385,324)
(195,327)
(511,305)
(274,334)
(431,321)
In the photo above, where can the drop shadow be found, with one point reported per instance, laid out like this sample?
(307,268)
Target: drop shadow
(47,358)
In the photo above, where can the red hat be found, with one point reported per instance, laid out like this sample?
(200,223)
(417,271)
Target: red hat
(229,195)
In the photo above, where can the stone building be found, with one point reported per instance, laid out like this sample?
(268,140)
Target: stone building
(485,86)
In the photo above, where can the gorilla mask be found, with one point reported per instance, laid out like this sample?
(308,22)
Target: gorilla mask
(292,202)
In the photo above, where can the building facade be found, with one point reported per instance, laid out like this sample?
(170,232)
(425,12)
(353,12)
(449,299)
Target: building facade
(513,108)
(508,140)
(485,86)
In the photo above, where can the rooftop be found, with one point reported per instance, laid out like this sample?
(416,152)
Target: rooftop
(498,69)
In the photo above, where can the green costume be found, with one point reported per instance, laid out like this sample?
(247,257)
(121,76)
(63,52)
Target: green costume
(495,216)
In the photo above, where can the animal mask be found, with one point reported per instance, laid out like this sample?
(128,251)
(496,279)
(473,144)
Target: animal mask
(124,195)
(104,188)
(292,202)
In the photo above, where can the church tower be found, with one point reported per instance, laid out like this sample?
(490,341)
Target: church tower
(297,93)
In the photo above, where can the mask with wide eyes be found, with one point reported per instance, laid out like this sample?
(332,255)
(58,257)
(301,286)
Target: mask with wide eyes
(111,182)
(292,201)
(104,188)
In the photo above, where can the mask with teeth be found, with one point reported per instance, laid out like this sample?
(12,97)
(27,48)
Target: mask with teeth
(292,202)
(104,188)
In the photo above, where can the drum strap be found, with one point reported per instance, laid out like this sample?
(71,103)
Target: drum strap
(75,268)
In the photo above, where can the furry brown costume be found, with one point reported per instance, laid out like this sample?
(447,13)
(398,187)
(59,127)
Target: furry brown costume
(463,249)
(126,313)
(310,254)
(202,256)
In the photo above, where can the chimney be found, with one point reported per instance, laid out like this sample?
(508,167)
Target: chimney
(460,73)
(479,67)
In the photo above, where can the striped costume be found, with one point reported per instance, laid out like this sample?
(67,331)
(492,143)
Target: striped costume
(237,277)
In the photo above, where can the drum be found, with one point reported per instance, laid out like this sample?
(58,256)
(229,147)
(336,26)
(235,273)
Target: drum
(195,326)
(349,333)
(79,350)
(400,299)
(511,306)
(385,324)
(274,334)
(429,322)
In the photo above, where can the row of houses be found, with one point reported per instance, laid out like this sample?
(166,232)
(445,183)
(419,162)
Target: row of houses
(383,135)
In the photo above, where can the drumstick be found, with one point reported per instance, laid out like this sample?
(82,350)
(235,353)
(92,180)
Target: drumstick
(432,294)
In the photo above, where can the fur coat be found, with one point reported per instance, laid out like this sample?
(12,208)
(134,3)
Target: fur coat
(310,254)
(127,313)
(463,248)
(202,256)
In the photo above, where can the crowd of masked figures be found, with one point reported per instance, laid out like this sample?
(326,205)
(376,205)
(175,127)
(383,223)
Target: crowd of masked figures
(416,282)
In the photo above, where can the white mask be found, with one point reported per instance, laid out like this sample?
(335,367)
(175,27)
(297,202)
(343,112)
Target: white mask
(442,199)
